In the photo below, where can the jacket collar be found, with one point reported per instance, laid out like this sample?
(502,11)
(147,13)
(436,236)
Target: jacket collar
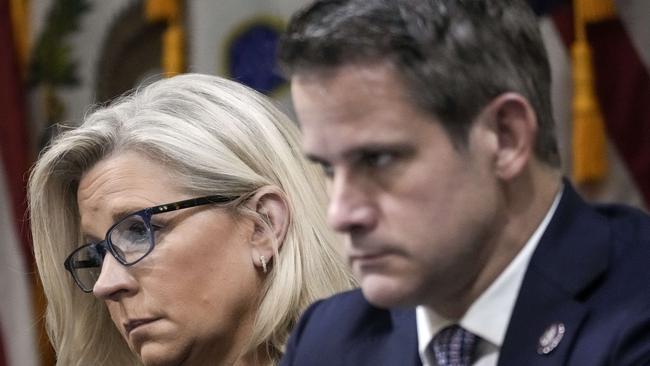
(389,339)
(571,256)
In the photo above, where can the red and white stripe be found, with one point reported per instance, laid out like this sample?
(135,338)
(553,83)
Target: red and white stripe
(621,55)
(16,307)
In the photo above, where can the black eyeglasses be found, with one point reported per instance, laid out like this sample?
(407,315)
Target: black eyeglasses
(129,240)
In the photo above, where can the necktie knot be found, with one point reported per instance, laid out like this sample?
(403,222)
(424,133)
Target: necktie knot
(453,346)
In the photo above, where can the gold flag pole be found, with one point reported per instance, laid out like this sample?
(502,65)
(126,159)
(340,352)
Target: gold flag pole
(589,141)
(173,42)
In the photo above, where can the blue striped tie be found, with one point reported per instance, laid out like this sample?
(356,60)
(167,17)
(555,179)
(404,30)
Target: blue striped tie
(453,346)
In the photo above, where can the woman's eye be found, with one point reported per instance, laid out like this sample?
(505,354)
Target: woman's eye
(132,230)
(137,229)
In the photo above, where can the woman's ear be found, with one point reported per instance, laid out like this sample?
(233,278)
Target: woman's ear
(515,125)
(273,217)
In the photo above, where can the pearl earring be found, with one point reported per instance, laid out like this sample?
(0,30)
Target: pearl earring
(263,261)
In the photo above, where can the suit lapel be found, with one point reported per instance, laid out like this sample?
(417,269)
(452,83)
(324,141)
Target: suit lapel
(390,339)
(539,309)
(571,256)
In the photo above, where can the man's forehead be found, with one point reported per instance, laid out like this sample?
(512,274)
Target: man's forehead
(359,76)
(346,92)
(366,69)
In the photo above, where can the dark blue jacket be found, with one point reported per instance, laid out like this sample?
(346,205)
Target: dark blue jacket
(590,271)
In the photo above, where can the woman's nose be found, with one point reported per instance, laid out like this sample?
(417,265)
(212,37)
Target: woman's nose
(114,280)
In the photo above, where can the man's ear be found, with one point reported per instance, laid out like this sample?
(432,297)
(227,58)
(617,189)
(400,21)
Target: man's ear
(514,123)
(271,224)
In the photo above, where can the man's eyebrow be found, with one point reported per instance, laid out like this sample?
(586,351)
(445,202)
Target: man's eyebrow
(377,148)
(316,159)
(357,151)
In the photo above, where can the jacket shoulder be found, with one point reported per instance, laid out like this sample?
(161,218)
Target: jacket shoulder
(339,314)
(628,224)
(331,330)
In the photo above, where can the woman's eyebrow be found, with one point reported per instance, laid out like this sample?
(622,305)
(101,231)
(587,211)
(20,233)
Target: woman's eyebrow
(119,212)
(124,212)
(89,238)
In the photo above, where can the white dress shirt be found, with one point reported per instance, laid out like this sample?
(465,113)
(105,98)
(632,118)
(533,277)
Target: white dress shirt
(489,315)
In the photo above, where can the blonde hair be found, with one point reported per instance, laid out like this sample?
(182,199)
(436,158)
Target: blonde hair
(217,137)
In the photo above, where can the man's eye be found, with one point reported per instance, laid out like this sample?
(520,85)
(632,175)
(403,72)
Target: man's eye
(378,160)
(328,170)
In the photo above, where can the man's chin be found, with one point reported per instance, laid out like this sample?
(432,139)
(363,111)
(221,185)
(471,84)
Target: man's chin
(386,293)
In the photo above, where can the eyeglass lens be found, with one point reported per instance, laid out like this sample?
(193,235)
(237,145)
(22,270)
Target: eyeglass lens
(131,241)
(86,264)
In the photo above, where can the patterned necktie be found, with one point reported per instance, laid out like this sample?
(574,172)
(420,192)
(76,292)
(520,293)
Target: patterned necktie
(453,346)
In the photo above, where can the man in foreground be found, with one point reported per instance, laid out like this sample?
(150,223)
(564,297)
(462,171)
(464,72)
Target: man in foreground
(432,120)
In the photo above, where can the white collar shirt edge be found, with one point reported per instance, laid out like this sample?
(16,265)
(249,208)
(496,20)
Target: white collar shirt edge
(489,315)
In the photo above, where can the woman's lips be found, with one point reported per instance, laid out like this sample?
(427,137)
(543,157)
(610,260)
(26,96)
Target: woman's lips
(135,323)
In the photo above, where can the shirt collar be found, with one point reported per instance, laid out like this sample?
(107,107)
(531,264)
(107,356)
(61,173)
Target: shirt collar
(489,314)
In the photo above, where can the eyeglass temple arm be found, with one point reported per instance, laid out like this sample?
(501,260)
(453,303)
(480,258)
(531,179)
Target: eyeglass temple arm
(191,203)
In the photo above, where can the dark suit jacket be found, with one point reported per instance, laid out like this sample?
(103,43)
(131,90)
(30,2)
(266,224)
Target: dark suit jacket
(590,271)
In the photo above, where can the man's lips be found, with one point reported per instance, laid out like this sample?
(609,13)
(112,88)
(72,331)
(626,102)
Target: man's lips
(358,256)
(367,257)
(135,323)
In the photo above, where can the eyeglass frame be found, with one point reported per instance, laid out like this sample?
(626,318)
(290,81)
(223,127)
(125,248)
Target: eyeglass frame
(106,246)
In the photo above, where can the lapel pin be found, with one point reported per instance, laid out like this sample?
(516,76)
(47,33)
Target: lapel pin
(550,338)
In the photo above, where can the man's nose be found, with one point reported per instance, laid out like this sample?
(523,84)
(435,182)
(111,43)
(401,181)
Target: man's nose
(114,280)
(351,207)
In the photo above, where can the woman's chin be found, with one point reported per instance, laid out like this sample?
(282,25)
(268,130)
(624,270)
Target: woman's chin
(160,355)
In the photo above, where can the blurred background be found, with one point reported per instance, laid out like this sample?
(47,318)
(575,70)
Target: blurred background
(58,58)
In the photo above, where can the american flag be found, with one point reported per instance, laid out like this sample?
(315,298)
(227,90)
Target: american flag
(620,47)
(18,325)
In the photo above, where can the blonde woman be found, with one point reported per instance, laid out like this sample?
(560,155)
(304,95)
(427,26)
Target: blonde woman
(180,225)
